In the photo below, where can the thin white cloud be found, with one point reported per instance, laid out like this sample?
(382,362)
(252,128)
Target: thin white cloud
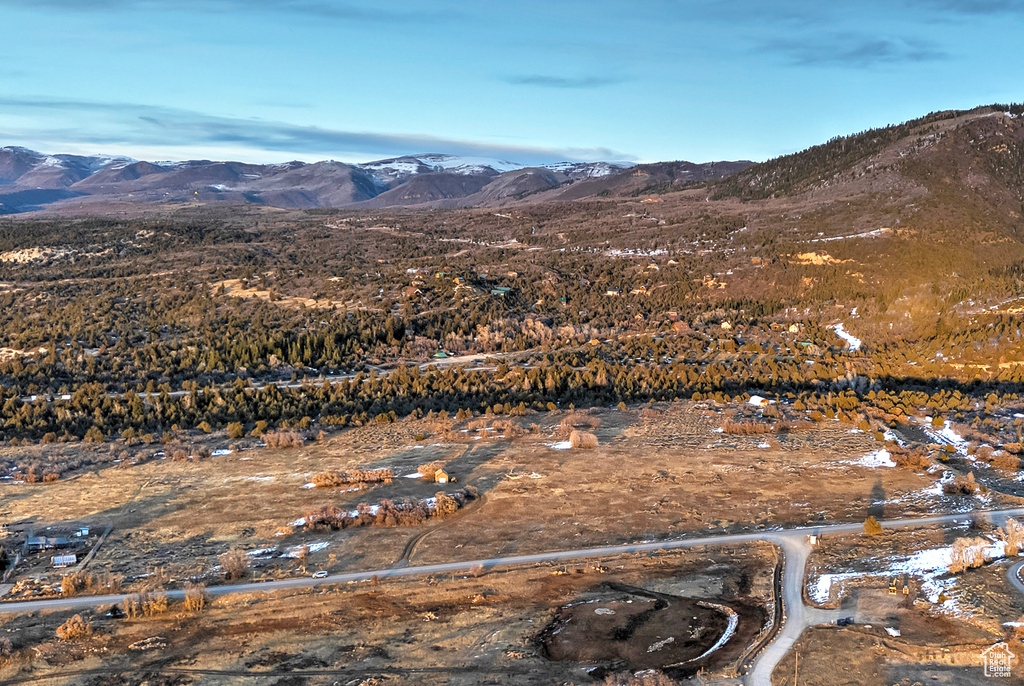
(132,126)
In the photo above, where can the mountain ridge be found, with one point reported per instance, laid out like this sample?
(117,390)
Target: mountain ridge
(30,181)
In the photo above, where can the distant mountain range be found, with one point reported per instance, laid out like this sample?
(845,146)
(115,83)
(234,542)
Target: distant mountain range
(31,181)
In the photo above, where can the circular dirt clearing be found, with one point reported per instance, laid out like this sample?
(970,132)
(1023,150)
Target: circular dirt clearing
(636,629)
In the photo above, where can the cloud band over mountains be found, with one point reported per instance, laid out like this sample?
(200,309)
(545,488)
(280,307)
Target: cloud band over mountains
(152,127)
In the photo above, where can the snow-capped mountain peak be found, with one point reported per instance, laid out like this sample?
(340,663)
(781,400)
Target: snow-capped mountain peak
(461,164)
(399,169)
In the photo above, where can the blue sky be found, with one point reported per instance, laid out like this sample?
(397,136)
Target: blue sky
(529,81)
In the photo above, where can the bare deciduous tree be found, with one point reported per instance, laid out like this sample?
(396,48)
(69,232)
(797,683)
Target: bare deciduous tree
(283,439)
(195,597)
(302,556)
(1013,535)
(967,553)
(234,564)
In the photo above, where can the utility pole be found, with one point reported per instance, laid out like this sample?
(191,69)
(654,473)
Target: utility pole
(796,670)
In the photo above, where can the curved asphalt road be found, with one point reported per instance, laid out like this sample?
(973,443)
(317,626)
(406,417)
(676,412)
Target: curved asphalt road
(792,541)
(1013,574)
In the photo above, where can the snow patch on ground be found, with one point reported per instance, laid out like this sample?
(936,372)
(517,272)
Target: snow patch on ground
(890,436)
(866,234)
(852,341)
(221,453)
(311,547)
(661,644)
(947,436)
(635,252)
(730,629)
(878,458)
(561,445)
(930,566)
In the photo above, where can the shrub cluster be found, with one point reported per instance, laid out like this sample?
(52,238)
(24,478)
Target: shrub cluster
(284,438)
(916,458)
(961,485)
(582,440)
(76,628)
(332,479)
(407,512)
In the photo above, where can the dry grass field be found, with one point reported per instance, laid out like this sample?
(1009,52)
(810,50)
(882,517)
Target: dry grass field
(656,473)
(653,474)
(486,628)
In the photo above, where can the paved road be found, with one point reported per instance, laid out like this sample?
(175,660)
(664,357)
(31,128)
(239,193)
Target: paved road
(792,541)
(798,616)
(1014,575)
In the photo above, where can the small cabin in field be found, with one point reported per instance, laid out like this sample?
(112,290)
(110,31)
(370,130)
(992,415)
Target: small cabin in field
(441,477)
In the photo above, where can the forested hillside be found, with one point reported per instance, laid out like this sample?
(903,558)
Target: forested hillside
(121,328)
